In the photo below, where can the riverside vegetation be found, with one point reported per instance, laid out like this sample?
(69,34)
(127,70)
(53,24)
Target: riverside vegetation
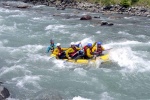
(125,3)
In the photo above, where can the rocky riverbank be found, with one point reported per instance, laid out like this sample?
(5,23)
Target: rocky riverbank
(112,9)
(133,11)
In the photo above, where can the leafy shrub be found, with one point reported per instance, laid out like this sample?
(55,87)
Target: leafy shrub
(125,3)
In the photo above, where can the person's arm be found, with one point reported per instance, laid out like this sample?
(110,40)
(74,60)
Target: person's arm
(67,52)
(55,52)
(94,49)
(78,48)
(48,49)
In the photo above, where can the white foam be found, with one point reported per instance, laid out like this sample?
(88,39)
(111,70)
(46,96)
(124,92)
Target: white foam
(80,71)
(78,25)
(38,6)
(21,81)
(123,33)
(28,48)
(12,98)
(5,70)
(127,58)
(42,19)
(4,10)
(141,36)
(59,63)
(127,17)
(4,28)
(123,43)
(37,57)
(86,40)
(80,98)
(98,32)
(122,54)
(54,27)
(17,15)
(98,62)
(36,18)
(105,96)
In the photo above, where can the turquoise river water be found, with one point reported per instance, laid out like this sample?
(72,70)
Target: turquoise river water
(29,74)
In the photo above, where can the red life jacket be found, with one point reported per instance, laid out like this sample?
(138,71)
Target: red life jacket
(84,48)
(99,50)
(60,50)
(73,53)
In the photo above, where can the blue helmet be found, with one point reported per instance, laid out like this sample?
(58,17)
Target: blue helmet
(51,40)
(89,44)
(99,43)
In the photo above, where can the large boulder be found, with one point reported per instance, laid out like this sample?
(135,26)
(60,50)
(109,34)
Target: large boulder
(22,6)
(86,17)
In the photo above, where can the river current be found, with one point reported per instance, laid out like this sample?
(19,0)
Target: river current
(29,73)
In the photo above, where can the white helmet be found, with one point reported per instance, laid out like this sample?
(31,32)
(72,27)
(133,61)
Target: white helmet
(58,44)
(72,43)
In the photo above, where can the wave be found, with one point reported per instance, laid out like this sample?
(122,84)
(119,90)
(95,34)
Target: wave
(126,56)
(80,98)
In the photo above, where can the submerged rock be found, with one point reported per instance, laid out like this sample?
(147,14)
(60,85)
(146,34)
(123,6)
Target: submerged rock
(86,17)
(104,23)
(4,93)
(22,6)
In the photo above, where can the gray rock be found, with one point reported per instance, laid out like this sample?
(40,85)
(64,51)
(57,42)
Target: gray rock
(4,93)
(86,17)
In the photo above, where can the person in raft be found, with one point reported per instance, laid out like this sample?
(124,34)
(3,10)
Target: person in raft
(51,47)
(59,52)
(88,53)
(72,52)
(98,50)
(78,44)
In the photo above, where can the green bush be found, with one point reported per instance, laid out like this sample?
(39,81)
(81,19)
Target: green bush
(125,3)
(134,1)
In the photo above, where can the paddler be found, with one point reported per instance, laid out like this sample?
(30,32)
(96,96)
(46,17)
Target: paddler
(72,52)
(98,49)
(59,52)
(51,47)
(88,51)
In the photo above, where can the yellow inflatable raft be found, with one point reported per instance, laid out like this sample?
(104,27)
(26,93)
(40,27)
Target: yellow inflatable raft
(103,58)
